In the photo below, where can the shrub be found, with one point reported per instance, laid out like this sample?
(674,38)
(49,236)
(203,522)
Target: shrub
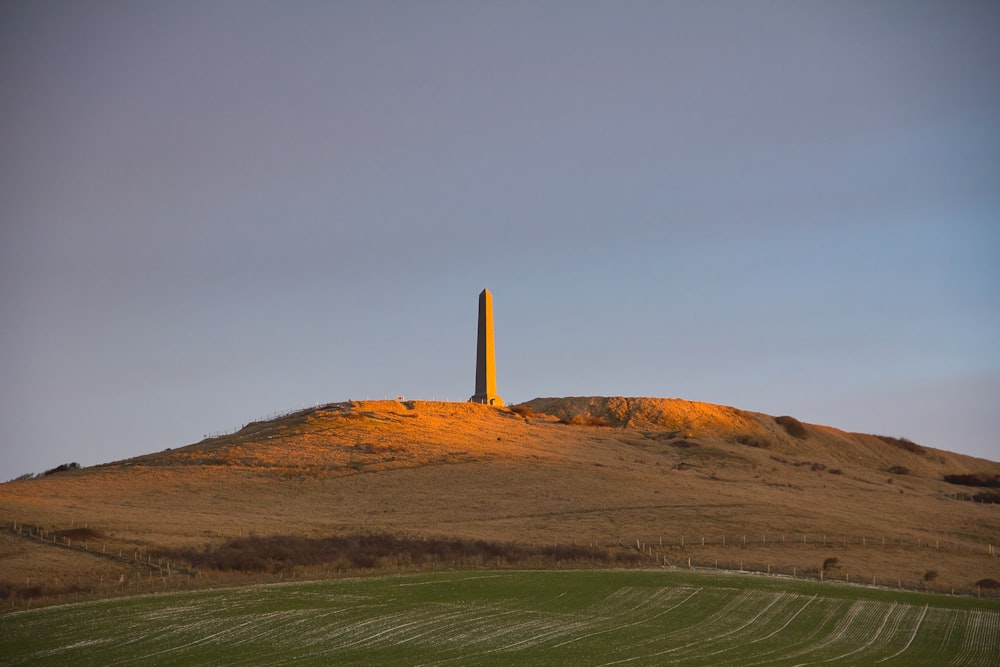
(62,468)
(584,420)
(902,443)
(683,443)
(756,441)
(523,410)
(25,592)
(831,563)
(79,534)
(973,479)
(793,427)
(988,583)
(279,553)
(930,575)
(899,470)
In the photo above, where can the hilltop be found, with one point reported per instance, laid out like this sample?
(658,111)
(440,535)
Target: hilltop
(665,479)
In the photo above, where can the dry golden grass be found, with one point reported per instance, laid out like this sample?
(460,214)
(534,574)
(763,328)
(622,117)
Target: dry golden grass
(664,470)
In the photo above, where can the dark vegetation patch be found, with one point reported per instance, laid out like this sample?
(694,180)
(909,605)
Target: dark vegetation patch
(584,420)
(683,443)
(62,468)
(988,583)
(899,470)
(793,427)
(27,591)
(813,465)
(902,443)
(750,440)
(280,553)
(523,410)
(974,479)
(831,563)
(79,534)
(980,497)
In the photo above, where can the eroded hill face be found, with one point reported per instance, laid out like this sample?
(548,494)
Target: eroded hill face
(545,472)
(783,435)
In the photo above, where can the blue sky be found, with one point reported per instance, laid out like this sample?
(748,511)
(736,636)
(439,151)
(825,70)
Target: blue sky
(212,211)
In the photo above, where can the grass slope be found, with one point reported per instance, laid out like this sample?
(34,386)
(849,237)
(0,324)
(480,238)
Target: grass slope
(525,618)
(676,480)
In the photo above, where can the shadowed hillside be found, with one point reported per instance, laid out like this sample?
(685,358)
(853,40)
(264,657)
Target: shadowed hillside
(663,480)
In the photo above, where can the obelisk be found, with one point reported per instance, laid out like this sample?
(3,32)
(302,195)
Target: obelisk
(486,365)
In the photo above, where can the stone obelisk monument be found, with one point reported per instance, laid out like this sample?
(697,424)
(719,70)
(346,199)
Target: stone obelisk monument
(486,365)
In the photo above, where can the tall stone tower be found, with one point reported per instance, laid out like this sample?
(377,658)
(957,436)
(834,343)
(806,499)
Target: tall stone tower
(486,365)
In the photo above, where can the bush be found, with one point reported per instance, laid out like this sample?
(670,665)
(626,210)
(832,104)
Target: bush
(279,553)
(79,533)
(831,563)
(25,592)
(793,427)
(974,479)
(899,470)
(902,443)
(756,441)
(62,468)
(584,420)
(988,583)
(523,410)
(930,575)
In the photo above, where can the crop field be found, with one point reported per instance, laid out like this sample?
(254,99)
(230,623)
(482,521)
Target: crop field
(516,617)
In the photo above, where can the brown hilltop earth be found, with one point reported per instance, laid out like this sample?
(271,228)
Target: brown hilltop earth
(600,473)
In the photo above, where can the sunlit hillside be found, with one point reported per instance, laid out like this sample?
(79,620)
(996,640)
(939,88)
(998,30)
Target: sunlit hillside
(672,482)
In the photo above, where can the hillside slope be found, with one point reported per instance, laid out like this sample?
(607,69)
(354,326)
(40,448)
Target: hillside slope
(698,481)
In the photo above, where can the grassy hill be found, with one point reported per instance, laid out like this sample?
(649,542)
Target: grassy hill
(551,482)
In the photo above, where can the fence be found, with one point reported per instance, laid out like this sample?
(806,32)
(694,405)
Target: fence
(138,557)
(821,539)
(778,554)
(281,414)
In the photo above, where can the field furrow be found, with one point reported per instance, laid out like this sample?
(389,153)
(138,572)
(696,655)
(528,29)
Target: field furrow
(543,618)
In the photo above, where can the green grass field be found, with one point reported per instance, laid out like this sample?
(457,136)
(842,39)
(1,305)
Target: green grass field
(512,617)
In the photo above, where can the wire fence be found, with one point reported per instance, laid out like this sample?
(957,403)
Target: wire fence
(281,414)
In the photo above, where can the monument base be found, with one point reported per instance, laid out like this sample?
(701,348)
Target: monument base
(487,399)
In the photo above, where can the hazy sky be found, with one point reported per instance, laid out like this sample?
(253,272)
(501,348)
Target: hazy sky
(211,211)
